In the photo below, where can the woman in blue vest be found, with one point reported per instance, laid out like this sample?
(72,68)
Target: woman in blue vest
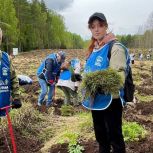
(107,119)
(68,85)
(9,84)
(48,73)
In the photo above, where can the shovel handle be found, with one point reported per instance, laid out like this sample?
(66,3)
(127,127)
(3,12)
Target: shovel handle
(6,108)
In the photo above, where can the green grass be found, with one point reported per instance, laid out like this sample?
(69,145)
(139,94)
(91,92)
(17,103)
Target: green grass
(137,78)
(72,139)
(59,93)
(87,125)
(144,98)
(75,148)
(29,122)
(132,131)
(46,134)
(67,110)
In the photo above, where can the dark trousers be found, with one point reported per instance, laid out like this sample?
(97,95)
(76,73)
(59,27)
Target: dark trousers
(108,128)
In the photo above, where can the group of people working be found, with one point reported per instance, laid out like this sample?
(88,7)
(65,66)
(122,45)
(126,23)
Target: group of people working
(55,70)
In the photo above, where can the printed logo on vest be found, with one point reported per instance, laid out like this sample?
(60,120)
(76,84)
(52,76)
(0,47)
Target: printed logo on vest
(87,69)
(6,82)
(98,61)
(4,88)
(4,71)
(1,83)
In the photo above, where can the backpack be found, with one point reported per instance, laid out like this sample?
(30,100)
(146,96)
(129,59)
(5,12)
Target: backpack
(129,87)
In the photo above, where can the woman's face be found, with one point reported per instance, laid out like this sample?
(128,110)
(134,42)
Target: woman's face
(98,29)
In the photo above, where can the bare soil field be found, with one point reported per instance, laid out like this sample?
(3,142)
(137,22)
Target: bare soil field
(140,112)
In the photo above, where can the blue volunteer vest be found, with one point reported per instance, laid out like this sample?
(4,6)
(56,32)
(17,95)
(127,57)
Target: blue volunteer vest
(56,66)
(74,62)
(66,74)
(98,60)
(4,82)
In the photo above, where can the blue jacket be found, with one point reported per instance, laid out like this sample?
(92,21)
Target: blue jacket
(5,80)
(49,69)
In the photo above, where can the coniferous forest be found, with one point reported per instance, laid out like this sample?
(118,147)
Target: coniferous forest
(31,25)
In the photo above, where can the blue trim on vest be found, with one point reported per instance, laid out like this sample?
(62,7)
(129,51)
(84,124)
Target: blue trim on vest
(121,94)
(101,102)
(4,82)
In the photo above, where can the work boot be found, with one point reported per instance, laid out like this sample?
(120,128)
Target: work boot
(38,108)
(44,109)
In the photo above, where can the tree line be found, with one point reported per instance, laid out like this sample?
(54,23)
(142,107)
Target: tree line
(30,25)
(143,38)
(144,41)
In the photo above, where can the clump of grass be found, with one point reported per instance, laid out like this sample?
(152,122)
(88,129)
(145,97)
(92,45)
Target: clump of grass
(72,139)
(46,134)
(28,121)
(67,110)
(144,98)
(75,148)
(69,137)
(132,131)
(107,81)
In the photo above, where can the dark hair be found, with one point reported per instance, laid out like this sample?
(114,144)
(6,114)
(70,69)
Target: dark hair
(102,22)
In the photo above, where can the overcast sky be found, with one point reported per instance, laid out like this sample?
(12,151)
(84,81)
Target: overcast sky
(123,16)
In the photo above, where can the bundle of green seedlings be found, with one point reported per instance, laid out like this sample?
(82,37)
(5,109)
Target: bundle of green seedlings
(103,82)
